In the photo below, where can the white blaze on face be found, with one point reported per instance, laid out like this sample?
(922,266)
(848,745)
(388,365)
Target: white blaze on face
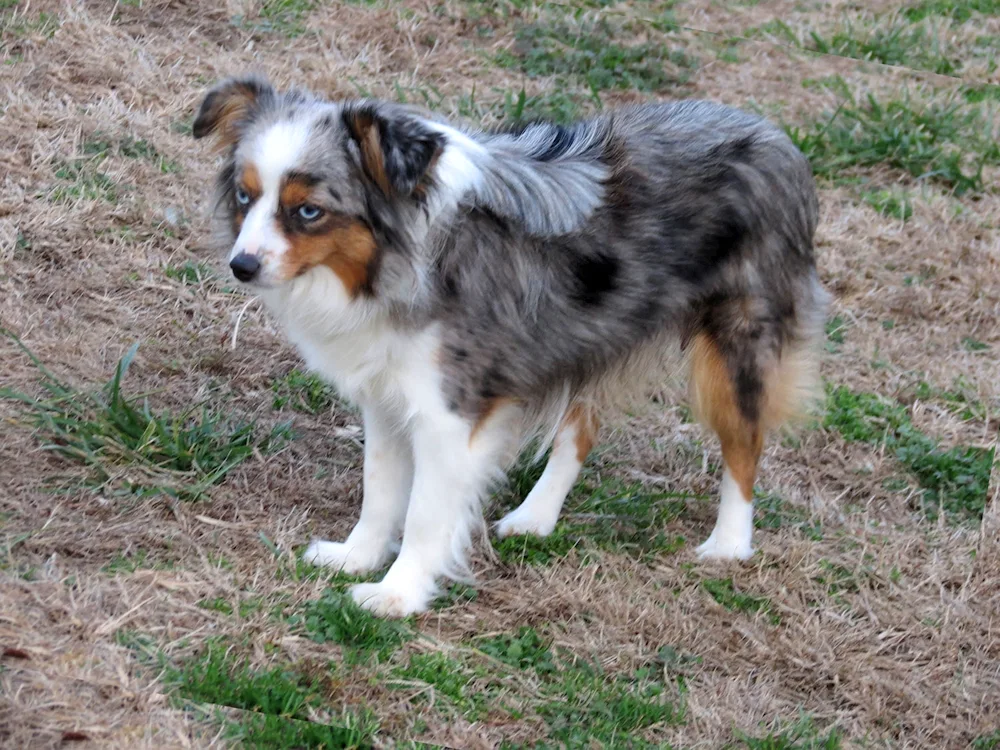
(272,154)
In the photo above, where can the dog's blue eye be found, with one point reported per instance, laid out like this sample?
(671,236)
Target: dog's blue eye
(242,197)
(309,213)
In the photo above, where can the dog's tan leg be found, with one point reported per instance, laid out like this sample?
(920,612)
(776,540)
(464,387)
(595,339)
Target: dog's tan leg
(715,400)
(540,510)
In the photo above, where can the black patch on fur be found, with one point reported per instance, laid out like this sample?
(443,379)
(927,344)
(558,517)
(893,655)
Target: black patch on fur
(561,140)
(596,277)
(408,146)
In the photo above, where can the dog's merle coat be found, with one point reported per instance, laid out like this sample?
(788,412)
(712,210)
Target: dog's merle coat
(549,259)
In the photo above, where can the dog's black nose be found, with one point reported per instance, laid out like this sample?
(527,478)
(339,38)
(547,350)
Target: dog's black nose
(245,266)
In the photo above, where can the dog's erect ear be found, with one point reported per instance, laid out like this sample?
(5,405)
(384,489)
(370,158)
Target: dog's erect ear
(397,149)
(229,105)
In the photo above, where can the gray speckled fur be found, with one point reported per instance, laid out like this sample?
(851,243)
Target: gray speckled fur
(580,247)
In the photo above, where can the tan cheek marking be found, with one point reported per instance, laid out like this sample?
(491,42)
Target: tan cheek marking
(345,250)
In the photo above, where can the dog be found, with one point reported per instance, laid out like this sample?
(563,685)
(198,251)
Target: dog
(474,290)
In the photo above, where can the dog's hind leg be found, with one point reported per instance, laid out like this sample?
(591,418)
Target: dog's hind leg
(540,510)
(747,377)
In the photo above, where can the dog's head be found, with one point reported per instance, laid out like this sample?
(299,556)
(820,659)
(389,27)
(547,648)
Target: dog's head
(307,185)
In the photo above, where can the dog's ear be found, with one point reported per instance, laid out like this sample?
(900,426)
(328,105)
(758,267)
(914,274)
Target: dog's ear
(397,149)
(228,106)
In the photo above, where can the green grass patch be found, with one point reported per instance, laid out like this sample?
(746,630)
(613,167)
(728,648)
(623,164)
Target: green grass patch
(624,518)
(279,701)
(946,144)
(724,592)
(448,678)
(983,92)
(189,273)
(802,735)
(100,146)
(82,181)
(772,512)
(583,706)
(283,17)
(989,741)
(133,561)
(894,204)
(956,479)
(130,448)
(895,43)
(525,649)
(335,618)
(303,392)
(959,11)
(588,53)
(959,399)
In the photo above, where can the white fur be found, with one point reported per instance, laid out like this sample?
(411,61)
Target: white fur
(540,511)
(276,151)
(733,533)
(456,170)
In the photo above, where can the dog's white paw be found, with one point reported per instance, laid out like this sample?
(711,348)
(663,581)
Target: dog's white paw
(722,546)
(389,600)
(347,557)
(523,520)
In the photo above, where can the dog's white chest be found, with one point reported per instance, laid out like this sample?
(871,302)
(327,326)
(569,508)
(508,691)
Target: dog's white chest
(397,369)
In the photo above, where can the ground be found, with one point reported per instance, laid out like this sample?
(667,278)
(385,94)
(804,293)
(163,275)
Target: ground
(152,517)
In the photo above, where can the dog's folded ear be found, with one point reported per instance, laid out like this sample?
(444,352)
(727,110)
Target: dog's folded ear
(397,149)
(228,106)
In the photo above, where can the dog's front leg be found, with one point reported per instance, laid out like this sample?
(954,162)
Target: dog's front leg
(388,476)
(454,463)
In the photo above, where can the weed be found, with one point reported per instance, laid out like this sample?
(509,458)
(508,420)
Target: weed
(892,203)
(772,512)
(525,650)
(586,52)
(81,181)
(835,328)
(304,392)
(981,93)
(269,732)
(335,617)
(803,735)
(131,562)
(956,479)
(974,345)
(895,44)
(124,443)
(989,741)
(725,593)
(939,143)
(189,272)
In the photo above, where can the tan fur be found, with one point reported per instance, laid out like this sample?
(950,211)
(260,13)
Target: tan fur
(713,398)
(346,248)
(366,134)
(586,424)
(250,181)
(295,192)
(227,111)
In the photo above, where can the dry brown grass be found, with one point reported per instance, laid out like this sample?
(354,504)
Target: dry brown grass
(908,657)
